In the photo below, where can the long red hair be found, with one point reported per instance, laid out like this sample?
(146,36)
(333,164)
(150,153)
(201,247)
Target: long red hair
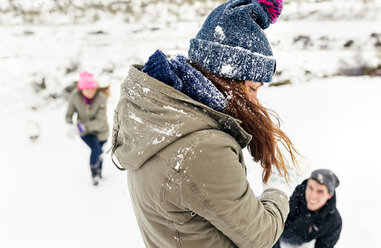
(105,90)
(261,123)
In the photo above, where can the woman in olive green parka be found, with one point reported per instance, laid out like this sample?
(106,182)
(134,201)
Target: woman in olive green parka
(90,103)
(179,129)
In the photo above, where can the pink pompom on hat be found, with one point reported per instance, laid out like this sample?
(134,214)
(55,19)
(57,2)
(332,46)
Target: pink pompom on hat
(86,81)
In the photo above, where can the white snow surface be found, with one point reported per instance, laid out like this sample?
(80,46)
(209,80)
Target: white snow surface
(48,200)
(46,196)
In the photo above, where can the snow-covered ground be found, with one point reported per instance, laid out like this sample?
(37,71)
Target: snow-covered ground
(46,196)
(334,123)
(47,199)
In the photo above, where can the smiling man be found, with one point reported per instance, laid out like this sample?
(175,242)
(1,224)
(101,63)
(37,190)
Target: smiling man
(313,213)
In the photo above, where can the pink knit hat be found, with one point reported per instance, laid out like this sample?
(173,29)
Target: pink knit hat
(86,81)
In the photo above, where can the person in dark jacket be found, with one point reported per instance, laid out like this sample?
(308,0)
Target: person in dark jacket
(313,213)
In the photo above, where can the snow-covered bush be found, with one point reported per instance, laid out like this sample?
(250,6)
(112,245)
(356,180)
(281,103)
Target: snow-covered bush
(84,11)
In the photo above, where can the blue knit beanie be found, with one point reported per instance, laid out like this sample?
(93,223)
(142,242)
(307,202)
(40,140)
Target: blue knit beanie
(232,44)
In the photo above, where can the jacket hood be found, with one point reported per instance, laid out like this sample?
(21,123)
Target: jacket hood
(153,115)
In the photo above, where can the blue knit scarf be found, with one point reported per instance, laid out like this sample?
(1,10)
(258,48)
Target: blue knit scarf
(179,74)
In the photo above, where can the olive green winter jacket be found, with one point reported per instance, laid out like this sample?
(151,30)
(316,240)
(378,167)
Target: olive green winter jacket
(186,174)
(93,116)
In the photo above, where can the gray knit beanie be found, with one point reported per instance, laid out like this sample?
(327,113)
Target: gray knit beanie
(232,44)
(327,178)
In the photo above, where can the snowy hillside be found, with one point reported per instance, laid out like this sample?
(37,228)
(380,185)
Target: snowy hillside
(329,63)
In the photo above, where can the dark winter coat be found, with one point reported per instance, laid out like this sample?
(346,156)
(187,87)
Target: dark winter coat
(325,223)
(93,116)
(186,173)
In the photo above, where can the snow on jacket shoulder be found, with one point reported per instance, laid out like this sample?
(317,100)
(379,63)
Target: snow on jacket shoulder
(186,173)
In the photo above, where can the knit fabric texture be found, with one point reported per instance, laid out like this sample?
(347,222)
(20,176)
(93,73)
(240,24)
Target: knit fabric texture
(86,81)
(87,101)
(232,44)
(327,178)
(179,74)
